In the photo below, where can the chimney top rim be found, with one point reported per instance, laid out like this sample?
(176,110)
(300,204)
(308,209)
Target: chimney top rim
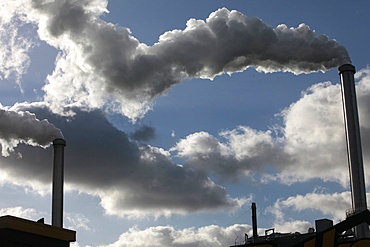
(346,67)
(59,141)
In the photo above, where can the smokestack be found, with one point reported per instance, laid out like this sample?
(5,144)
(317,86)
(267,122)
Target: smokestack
(58,181)
(354,150)
(254,222)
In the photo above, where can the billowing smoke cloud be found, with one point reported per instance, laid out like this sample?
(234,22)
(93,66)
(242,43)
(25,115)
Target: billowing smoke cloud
(101,64)
(23,127)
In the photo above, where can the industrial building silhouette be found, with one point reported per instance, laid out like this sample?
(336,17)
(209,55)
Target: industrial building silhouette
(18,232)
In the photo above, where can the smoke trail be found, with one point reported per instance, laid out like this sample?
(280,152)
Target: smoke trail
(101,62)
(24,127)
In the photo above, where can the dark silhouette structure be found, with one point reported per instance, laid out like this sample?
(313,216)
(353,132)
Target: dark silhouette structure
(339,235)
(354,148)
(58,182)
(17,232)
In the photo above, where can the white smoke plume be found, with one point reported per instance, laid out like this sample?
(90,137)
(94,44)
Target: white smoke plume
(23,127)
(101,65)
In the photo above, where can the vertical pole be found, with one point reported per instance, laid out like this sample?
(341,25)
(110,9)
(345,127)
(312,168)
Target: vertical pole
(58,181)
(254,222)
(356,168)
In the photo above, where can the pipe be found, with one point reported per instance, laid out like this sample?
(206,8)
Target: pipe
(254,222)
(353,139)
(58,181)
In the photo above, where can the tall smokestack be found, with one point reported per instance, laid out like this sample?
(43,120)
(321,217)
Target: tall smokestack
(58,181)
(254,222)
(354,150)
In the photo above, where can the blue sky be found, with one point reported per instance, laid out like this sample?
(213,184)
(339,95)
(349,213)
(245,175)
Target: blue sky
(167,144)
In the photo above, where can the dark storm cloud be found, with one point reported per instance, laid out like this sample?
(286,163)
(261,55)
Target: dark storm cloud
(129,179)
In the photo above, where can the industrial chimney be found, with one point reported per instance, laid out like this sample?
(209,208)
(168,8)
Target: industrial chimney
(58,181)
(254,222)
(354,150)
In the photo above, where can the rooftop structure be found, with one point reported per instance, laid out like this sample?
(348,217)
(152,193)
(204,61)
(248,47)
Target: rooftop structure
(18,232)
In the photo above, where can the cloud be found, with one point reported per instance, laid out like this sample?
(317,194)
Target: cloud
(144,133)
(130,179)
(314,133)
(167,236)
(23,127)
(77,221)
(135,180)
(244,152)
(14,42)
(333,205)
(292,226)
(314,136)
(309,144)
(363,91)
(21,212)
(101,65)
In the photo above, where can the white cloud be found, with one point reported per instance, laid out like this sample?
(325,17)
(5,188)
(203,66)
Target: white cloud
(363,92)
(333,205)
(77,221)
(200,144)
(14,43)
(189,237)
(244,152)
(314,136)
(28,213)
(292,226)
(310,143)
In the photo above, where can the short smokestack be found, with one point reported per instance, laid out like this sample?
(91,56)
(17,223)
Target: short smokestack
(58,181)
(354,150)
(254,222)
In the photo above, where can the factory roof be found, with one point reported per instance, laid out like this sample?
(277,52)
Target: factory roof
(36,228)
